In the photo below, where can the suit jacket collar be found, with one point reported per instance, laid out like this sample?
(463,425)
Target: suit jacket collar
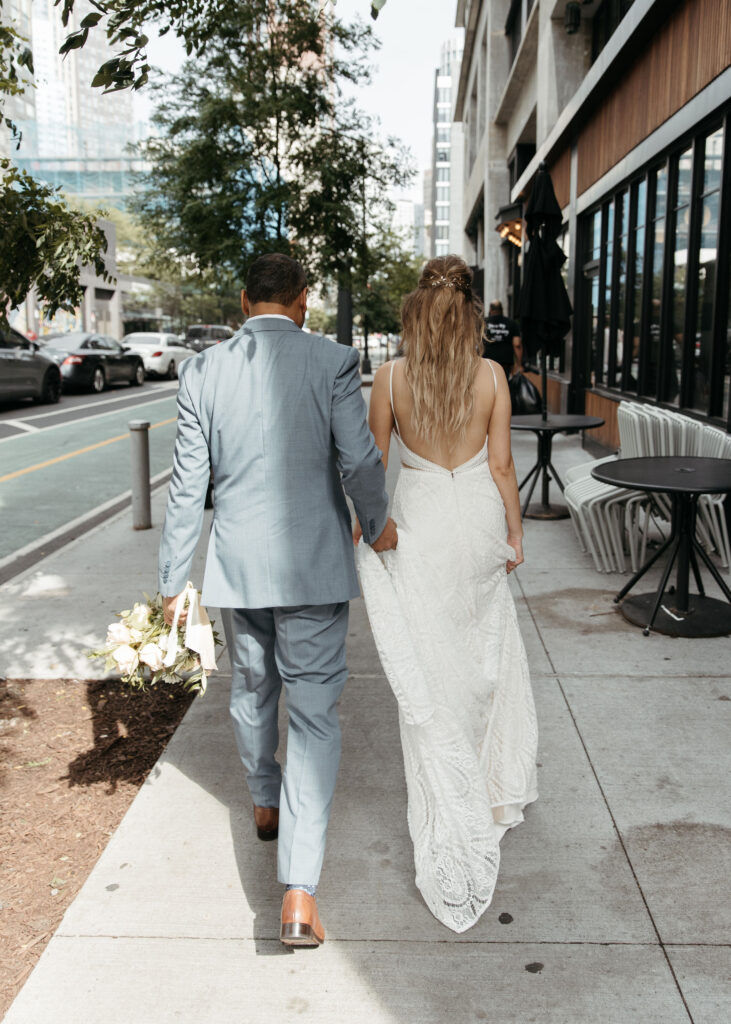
(271,323)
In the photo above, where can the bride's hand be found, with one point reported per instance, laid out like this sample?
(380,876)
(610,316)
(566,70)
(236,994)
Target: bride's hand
(516,543)
(357,532)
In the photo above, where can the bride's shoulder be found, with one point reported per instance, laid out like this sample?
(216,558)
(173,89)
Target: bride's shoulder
(383,373)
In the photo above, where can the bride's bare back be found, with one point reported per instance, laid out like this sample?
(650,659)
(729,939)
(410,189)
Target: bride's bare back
(492,403)
(491,419)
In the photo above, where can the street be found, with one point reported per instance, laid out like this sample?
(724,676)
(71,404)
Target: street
(59,462)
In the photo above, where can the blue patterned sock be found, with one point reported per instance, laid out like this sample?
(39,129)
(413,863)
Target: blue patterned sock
(311,889)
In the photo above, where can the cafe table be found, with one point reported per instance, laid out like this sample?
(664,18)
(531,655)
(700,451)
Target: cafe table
(544,429)
(684,479)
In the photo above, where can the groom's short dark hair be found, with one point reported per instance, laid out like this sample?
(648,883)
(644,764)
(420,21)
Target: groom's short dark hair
(275,278)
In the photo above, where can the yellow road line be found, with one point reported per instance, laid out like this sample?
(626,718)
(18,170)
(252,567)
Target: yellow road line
(79,451)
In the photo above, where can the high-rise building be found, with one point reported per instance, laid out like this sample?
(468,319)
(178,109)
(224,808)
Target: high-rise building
(76,136)
(446,187)
(19,109)
(408,220)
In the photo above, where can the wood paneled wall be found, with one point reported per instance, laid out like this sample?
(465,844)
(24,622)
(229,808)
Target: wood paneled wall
(606,408)
(560,171)
(686,53)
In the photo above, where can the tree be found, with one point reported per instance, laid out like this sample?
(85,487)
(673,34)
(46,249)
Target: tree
(393,272)
(256,152)
(44,243)
(124,21)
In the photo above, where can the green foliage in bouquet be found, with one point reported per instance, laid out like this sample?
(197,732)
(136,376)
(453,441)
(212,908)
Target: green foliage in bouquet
(137,645)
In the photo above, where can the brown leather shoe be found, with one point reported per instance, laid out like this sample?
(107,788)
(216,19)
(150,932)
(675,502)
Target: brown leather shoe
(300,921)
(266,820)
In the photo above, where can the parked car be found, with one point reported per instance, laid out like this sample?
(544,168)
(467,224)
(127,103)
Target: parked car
(94,361)
(200,336)
(161,353)
(26,371)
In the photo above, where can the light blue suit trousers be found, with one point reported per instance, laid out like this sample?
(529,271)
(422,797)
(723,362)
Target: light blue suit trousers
(302,648)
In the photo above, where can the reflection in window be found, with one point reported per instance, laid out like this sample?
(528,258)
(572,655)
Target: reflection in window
(652,366)
(638,280)
(621,290)
(727,360)
(607,317)
(674,364)
(707,209)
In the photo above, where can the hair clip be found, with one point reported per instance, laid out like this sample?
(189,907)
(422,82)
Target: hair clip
(443,282)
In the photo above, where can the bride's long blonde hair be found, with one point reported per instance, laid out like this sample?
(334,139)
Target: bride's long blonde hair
(443,326)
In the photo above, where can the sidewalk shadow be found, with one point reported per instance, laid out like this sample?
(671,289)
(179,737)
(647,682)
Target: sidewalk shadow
(129,729)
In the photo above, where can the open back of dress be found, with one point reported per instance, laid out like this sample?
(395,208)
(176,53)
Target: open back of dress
(446,629)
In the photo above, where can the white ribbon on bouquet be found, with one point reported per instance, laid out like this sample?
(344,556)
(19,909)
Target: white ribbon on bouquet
(198,632)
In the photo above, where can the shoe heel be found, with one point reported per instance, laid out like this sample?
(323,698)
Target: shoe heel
(297,934)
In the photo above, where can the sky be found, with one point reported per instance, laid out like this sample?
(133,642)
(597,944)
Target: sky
(401,93)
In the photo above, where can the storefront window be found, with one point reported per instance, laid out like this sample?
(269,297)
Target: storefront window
(635,300)
(674,363)
(606,319)
(652,366)
(656,321)
(620,293)
(707,210)
(727,361)
(592,258)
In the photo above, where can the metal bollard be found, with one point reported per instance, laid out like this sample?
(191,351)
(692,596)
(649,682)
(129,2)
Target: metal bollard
(139,432)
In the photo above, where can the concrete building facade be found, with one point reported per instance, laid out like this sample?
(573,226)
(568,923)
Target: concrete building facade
(628,102)
(443,181)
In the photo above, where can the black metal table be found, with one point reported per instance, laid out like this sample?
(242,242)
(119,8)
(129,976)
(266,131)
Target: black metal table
(544,430)
(684,479)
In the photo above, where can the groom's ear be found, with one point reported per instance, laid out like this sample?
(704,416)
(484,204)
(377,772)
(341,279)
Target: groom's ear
(244,302)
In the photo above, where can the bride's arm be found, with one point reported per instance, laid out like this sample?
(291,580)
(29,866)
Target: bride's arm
(380,420)
(502,467)
(380,416)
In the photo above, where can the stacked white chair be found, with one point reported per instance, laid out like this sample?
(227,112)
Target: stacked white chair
(606,517)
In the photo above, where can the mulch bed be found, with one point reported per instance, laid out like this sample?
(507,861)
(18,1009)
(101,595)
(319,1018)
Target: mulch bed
(72,757)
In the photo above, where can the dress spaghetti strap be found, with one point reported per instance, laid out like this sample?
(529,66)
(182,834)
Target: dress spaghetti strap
(494,378)
(393,411)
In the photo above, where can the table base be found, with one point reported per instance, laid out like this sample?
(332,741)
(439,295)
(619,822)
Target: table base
(705,616)
(540,511)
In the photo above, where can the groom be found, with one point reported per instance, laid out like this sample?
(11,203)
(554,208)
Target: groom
(278,416)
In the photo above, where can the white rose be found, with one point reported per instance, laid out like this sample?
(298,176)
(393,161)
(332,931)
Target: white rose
(136,635)
(126,657)
(140,617)
(117,633)
(152,655)
(163,641)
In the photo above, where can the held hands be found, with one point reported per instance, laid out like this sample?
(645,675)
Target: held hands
(516,543)
(388,538)
(387,541)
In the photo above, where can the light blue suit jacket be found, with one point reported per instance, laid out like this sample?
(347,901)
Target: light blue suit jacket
(279,416)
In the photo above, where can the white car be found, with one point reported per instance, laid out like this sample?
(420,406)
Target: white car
(161,353)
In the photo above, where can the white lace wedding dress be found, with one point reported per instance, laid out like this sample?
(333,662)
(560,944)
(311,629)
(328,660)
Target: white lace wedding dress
(447,634)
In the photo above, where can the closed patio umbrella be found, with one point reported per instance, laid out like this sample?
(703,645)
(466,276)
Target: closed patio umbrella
(544,307)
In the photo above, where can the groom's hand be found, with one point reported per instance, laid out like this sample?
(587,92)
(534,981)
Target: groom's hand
(388,538)
(168,610)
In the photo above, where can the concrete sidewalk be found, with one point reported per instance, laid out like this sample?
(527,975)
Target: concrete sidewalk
(612,903)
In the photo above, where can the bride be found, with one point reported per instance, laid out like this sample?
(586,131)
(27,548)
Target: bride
(440,608)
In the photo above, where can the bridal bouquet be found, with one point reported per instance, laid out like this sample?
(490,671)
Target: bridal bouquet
(148,651)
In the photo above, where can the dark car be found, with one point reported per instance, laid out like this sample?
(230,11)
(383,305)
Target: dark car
(25,370)
(200,336)
(94,361)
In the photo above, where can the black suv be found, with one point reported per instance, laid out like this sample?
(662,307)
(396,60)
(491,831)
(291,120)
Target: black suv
(200,336)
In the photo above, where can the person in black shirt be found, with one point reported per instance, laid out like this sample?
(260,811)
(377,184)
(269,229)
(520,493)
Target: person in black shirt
(502,342)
